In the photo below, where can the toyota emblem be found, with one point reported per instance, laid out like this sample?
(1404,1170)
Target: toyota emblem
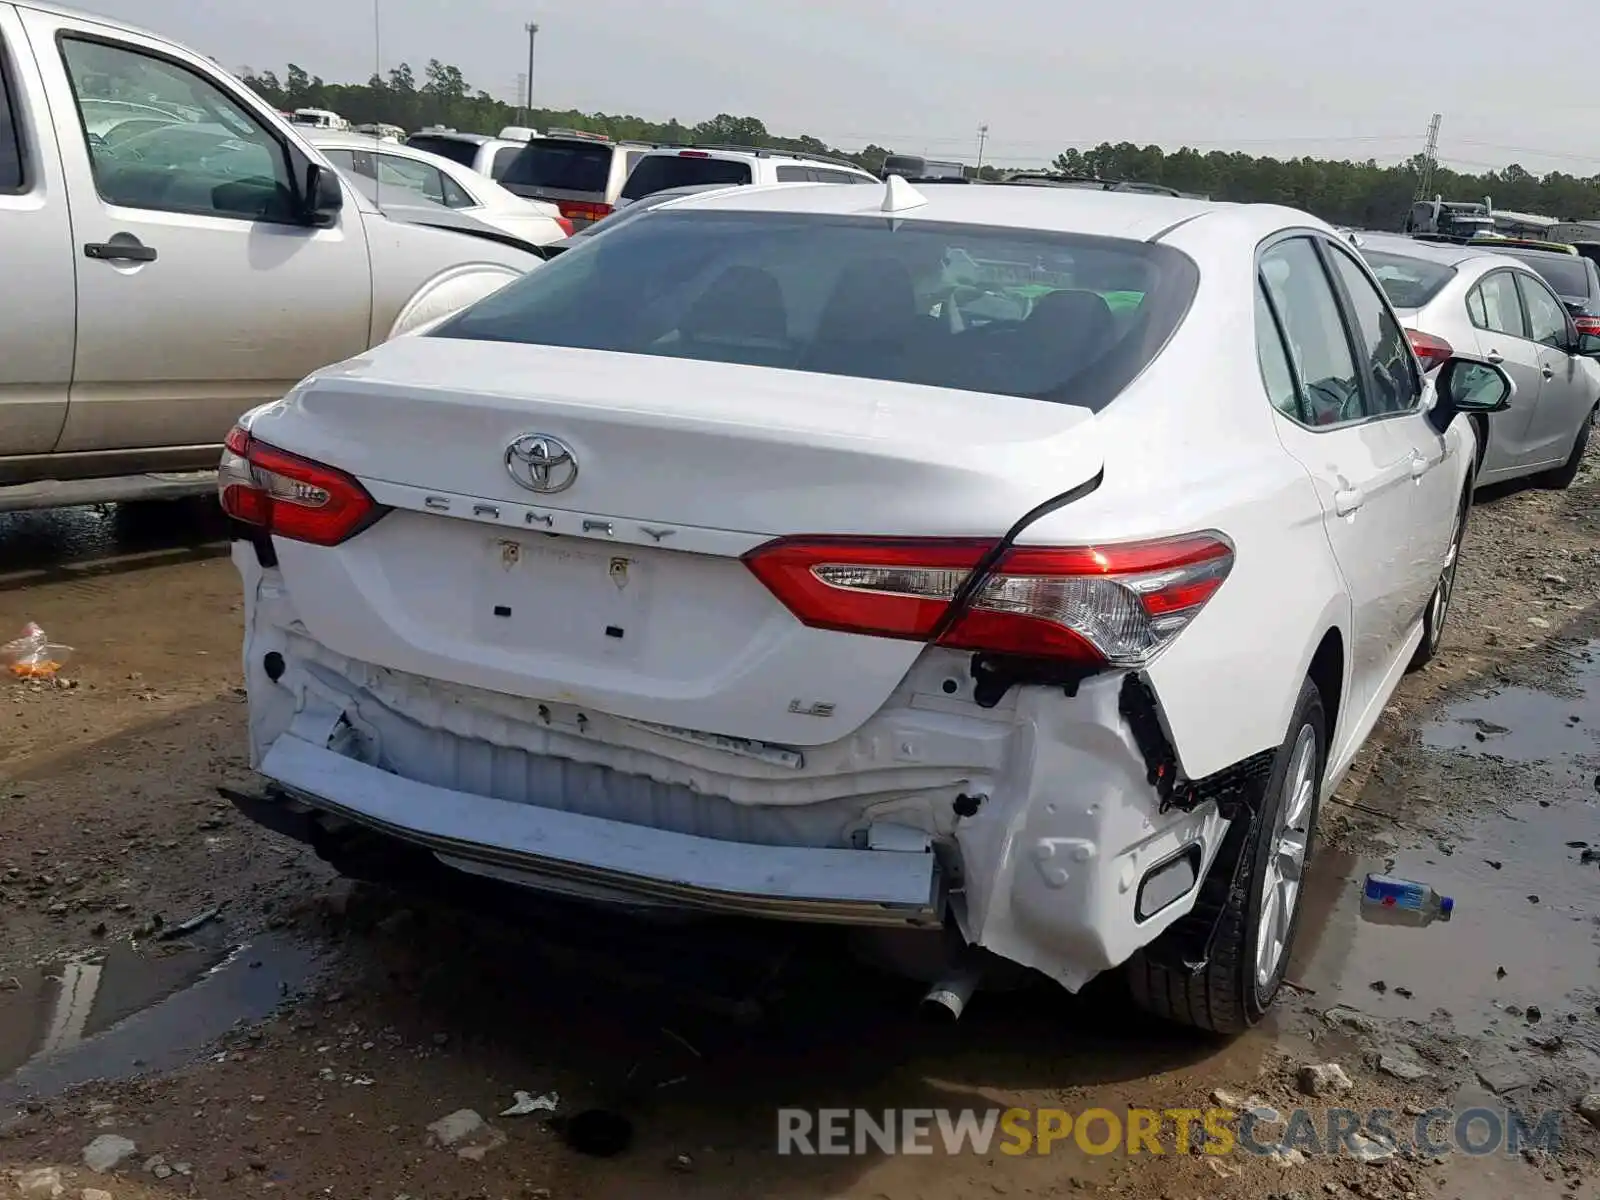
(541,463)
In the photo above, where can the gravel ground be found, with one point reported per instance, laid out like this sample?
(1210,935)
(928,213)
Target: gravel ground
(303,1036)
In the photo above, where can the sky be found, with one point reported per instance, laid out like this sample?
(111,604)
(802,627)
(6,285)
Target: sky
(1358,79)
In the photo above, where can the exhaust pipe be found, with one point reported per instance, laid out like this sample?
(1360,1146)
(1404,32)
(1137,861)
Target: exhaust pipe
(947,999)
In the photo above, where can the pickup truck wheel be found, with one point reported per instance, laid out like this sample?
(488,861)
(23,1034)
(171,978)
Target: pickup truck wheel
(1255,931)
(1561,478)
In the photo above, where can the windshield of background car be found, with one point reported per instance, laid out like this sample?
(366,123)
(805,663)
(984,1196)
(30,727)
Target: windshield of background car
(658,172)
(1567,274)
(1052,316)
(1409,282)
(456,150)
(564,166)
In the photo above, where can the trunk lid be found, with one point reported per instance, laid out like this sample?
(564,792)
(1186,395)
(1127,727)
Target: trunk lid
(640,607)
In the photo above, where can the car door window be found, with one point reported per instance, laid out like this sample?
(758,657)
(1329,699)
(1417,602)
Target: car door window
(794,174)
(1276,373)
(1313,329)
(1502,311)
(1391,370)
(1547,319)
(11,173)
(414,176)
(205,153)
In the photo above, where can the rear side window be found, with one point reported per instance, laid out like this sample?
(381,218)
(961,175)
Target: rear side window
(658,172)
(1568,274)
(11,174)
(561,166)
(1408,282)
(1314,332)
(1501,310)
(1057,317)
(457,151)
(824,175)
(794,174)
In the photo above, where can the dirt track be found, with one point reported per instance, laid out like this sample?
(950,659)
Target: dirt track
(310,1062)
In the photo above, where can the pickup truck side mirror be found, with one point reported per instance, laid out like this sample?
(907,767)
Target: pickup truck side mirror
(324,197)
(1469,385)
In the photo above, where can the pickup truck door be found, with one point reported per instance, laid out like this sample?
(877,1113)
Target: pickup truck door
(200,294)
(36,248)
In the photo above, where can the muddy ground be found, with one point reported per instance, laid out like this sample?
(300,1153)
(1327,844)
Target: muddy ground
(301,1039)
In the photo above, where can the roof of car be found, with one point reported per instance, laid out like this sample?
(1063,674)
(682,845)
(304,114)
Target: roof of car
(477,139)
(1110,214)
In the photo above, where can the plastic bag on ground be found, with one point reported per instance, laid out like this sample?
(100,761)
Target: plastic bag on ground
(33,655)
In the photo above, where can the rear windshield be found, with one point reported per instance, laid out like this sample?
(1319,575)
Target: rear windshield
(562,166)
(1568,274)
(454,149)
(1053,316)
(1409,282)
(662,171)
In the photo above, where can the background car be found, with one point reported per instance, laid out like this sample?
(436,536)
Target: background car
(1464,297)
(581,173)
(683,166)
(480,152)
(442,182)
(851,674)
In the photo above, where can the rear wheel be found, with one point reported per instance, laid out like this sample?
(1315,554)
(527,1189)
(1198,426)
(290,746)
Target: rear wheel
(1563,475)
(1433,617)
(1256,928)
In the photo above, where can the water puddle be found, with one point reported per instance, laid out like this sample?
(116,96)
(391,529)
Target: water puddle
(125,1011)
(1516,962)
(1522,725)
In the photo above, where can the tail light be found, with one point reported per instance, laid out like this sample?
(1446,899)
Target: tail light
(693,154)
(1433,351)
(289,496)
(1116,605)
(1588,326)
(583,210)
(564,225)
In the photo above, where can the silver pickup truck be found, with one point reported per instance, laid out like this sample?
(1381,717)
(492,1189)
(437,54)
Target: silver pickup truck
(175,254)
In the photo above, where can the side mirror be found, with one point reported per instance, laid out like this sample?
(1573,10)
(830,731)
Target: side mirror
(324,197)
(1589,345)
(1470,385)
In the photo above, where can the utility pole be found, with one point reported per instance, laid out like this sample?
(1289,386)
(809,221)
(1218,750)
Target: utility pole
(533,31)
(1430,158)
(518,93)
(983,136)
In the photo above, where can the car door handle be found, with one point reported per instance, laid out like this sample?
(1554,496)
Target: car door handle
(1546,371)
(1347,500)
(1419,464)
(1495,357)
(130,249)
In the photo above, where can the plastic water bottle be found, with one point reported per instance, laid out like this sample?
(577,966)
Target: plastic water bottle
(1390,901)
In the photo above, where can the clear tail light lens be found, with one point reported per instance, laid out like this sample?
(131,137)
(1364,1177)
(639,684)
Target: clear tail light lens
(1116,605)
(289,496)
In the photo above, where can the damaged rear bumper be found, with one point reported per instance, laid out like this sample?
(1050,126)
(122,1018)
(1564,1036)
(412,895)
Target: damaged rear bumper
(588,856)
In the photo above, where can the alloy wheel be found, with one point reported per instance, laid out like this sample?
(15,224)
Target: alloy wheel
(1285,869)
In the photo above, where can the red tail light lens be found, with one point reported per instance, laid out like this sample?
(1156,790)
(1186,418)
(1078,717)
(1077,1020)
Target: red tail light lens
(1587,325)
(1433,351)
(289,496)
(565,226)
(1116,605)
(583,210)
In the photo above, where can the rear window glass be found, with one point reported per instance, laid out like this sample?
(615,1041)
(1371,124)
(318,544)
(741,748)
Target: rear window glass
(658,172)
(563,166)
(454,149)
(1408,282)
(1567,274)
(1053,316)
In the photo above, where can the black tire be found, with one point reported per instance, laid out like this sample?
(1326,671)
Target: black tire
(1438,610)
(1226,994)
(1561,478)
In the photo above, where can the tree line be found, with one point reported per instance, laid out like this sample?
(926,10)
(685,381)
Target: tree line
(1365,194)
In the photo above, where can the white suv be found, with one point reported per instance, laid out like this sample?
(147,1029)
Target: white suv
(687,166)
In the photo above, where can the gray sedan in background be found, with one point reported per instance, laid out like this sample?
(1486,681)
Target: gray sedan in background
(1473,300)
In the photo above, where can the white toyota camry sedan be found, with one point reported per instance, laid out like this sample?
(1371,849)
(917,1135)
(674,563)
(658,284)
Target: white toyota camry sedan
(1017,565)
